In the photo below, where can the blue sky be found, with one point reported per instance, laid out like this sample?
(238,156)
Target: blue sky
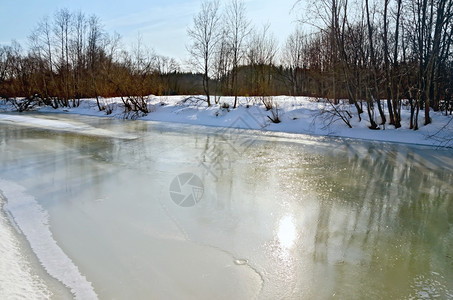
(161,23)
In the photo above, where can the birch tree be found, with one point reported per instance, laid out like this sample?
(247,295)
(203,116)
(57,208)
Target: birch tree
(238,29)
(205,34)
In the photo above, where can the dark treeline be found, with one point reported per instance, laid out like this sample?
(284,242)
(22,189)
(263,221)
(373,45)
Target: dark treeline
(360,51)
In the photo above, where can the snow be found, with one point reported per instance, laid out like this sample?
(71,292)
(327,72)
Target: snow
(33,223)
(39,122)
(298,115)
(17,281)
(57,125)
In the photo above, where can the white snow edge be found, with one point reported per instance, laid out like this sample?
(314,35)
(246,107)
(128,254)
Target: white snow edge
(33,221)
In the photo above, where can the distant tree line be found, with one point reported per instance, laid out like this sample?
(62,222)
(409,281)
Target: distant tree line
(362,52)
(70,57)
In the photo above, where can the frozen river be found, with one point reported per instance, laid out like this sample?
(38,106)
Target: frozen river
(115,209)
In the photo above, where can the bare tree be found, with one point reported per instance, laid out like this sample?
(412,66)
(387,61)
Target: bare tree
(143,64)
(429,32)
(42,47)
(392,63)
(78,43)
(165,66)
(238,28)
(342,41)
(62,31)
(295,59)
(3,68)
(205,34)
(373,90)
(95,36)
(8,57)
(223,65)
(261,54)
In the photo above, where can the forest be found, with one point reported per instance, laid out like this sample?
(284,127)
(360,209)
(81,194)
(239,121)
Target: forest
(368,53)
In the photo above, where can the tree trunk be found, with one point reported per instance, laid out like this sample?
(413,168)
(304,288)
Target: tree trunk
(375,95)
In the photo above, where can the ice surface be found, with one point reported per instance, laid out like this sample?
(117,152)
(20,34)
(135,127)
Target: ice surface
(286,217)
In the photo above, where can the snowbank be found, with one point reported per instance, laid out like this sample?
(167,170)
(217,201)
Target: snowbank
(17,280)
(301,115)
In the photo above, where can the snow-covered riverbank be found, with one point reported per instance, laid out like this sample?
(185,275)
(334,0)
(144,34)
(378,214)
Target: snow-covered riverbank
(297,115)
